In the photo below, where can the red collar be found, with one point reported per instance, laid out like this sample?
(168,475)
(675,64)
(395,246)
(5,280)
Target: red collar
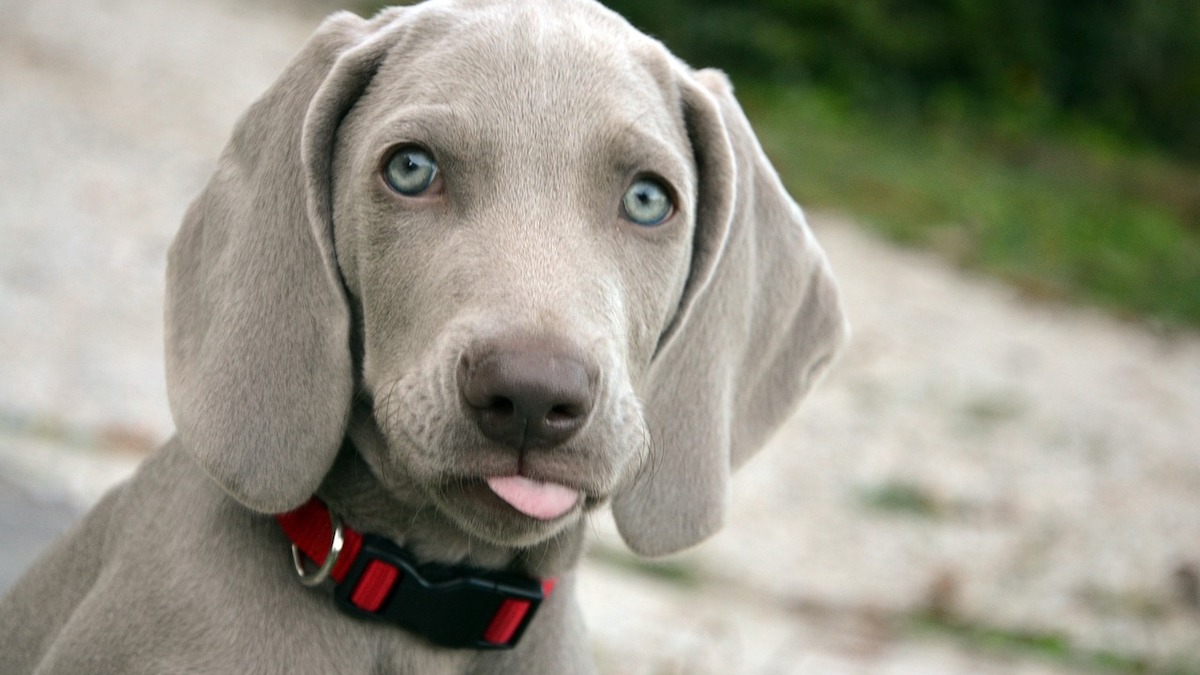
(453,606)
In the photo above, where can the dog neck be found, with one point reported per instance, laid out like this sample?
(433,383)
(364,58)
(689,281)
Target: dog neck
(405,516)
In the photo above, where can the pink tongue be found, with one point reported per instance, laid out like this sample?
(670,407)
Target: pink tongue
(544,501)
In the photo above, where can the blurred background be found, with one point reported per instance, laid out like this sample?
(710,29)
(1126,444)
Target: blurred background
(1054,144)
(1001,475)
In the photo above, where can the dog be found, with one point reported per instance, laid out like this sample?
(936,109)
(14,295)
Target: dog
(467,272)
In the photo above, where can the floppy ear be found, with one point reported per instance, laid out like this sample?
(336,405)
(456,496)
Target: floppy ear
(259,371)
(758,323)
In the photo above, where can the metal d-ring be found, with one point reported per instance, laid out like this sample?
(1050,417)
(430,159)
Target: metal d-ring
(335,549)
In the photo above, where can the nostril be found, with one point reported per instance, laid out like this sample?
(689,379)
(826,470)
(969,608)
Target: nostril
(563,414)
(499,405)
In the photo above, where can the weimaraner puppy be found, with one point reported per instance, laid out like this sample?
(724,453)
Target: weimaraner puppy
(467,272)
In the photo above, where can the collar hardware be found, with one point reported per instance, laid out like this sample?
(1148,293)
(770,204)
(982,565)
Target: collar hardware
(374,579)
(331,557)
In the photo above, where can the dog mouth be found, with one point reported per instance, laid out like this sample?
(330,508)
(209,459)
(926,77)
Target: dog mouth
(537,499)
(513,500)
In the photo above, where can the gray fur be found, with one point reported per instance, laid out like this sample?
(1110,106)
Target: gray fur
(307,304)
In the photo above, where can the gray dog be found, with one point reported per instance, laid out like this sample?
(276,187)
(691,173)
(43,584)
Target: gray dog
(467,272)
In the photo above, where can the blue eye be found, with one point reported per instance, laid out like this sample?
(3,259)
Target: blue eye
(646,203)
(410,171)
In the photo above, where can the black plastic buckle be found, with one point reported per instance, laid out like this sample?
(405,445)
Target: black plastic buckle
(450,606)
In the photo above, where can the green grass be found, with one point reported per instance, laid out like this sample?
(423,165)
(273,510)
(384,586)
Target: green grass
(1074,216)
(900,497)
(1047,646)
(670,571)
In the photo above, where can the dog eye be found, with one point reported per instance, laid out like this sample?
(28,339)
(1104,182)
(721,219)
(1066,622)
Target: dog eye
(410,171)
(646,203)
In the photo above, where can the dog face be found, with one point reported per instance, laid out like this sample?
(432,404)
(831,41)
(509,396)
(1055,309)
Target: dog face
(550,257)
(483,227)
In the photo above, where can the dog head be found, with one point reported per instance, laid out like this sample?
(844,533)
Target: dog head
(550,260)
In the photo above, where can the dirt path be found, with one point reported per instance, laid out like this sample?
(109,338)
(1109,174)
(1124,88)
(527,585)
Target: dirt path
(1028,474)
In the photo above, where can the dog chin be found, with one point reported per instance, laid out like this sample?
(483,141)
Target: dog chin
(460,492)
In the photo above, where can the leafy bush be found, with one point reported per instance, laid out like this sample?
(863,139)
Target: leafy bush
(1130,65)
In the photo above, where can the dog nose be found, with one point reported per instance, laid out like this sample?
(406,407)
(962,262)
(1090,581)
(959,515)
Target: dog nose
(526,396)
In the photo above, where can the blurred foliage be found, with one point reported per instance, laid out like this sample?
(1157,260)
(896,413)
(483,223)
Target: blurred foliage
(1132,66)
(1059,217)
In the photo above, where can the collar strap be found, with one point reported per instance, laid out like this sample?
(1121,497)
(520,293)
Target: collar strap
(452,606)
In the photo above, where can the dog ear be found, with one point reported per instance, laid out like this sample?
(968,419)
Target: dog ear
(259,370)
(758,323)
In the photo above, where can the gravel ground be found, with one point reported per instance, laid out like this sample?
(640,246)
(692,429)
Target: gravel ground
(982,484)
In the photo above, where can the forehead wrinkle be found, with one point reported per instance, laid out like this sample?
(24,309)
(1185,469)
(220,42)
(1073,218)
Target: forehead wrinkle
(544,87)
(531,58)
